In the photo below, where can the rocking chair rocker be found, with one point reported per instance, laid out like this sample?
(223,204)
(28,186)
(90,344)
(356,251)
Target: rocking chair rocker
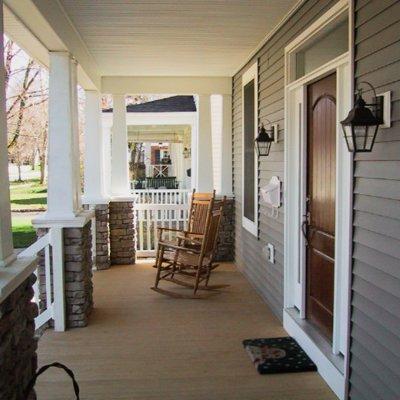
(189,261)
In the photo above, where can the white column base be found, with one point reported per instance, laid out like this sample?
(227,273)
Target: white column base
(47,221)
(123,198)
(16,273)
(88,200)
(8,260)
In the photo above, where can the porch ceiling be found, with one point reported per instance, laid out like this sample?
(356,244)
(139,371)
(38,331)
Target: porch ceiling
(173,37)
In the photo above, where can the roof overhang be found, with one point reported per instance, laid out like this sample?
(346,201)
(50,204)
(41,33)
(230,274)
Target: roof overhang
(40,26)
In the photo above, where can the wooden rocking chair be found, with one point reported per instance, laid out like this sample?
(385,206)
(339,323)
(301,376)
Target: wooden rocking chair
(188,263)
(197,219)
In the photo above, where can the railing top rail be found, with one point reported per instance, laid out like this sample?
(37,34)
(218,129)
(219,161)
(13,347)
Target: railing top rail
(33,249)
(161,207)
(161,191)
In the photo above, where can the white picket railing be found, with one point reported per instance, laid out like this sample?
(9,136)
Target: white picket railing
(53,306)
(167,208)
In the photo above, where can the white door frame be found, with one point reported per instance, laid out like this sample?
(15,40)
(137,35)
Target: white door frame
(295,191)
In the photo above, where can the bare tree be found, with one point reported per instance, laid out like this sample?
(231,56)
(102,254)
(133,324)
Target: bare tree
(26,85)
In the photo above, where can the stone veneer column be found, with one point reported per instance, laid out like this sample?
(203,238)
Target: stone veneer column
(102,236)
(226,238)
(122,233)
(18,359)
(78,275)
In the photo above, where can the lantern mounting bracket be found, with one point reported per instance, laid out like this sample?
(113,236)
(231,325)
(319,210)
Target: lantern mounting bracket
(377,103)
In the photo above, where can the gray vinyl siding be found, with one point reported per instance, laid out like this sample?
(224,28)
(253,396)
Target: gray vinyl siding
(267,278)
(375,330)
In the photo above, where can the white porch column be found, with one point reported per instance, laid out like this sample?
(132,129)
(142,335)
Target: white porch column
(119,152)
(203,146)
(6,244)
(177,162)
(64,197)
(94,160)
(226,146)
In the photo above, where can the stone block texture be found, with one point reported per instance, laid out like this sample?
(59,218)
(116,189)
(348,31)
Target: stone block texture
(226,237)
(18,360)
(78,275)
(103,260)
(122,233)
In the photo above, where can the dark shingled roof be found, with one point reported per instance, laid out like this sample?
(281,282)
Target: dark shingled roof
(169,104)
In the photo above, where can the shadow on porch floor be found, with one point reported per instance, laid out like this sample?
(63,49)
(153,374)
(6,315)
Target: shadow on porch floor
(142,345)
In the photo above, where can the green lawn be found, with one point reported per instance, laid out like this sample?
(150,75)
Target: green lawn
(23,233)
(28,195)
(31,196)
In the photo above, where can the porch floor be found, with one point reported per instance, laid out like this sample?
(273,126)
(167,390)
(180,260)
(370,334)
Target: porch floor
(142,345)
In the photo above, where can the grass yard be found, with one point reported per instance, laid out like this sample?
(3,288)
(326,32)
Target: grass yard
(28,195)
(23,233)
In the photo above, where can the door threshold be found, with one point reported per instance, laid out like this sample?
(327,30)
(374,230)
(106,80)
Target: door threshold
(317,347)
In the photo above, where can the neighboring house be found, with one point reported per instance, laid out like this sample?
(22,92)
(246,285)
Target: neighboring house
(162,127)
(317,226)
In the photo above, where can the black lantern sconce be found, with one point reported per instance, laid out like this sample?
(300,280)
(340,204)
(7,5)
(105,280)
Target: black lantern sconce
(361,125)
(265,138)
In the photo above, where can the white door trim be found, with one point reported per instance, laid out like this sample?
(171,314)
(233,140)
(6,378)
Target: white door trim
(249,75)
(295,179)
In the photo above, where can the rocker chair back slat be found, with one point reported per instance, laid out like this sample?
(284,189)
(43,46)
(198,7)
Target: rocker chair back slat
(211,237)
(198,211)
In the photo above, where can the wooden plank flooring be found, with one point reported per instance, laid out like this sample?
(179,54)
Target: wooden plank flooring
(142,345)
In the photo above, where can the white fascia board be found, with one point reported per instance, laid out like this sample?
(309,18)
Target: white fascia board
(50,26)
(20,34)
(141,118)
(185,85)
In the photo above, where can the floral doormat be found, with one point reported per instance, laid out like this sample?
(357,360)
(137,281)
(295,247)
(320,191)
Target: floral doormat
(278,355)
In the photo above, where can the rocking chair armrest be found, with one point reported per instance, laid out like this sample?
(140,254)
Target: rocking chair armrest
(160,228)
(177,247)
(180,230)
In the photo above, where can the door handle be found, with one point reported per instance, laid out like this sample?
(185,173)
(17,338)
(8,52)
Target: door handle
(304,229)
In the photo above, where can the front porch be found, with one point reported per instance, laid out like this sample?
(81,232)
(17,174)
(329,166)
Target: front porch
(140,345)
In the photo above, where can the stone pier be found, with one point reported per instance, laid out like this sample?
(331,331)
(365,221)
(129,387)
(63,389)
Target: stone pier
(18,360)
(78,275)
(102,237)
(226,237)
(122,233)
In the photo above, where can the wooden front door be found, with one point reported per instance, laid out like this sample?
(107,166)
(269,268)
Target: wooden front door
(321,188)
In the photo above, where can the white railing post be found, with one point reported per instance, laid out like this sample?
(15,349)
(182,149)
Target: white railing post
(43,244)
(57,243)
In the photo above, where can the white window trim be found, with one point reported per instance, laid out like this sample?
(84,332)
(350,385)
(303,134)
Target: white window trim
(294,267)
(249,75)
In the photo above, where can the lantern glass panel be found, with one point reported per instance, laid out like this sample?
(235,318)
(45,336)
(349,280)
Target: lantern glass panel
(364,137)
(348,135)
(263,148)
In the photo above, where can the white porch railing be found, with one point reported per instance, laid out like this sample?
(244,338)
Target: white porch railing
(166,208)
(52,305)
(159,170)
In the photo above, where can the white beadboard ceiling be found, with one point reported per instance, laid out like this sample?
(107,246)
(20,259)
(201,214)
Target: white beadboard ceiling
(173,37)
